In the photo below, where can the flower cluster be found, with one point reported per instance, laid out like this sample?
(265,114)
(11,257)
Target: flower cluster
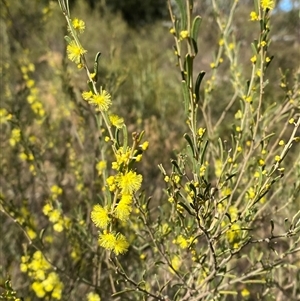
(126,182)
(75,51)
(4,116)
(45,282)
(124,185)
(34,94)
(183,242)
(15,137)
(26,220)
(234,231)
(59,221)
(56,217)
(113,242)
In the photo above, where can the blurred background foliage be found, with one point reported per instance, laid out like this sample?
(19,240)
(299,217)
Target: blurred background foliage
(137,66)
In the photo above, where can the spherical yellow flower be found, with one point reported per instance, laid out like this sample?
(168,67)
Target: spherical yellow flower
(15,137)
(86,95)
(111,182)
(234,233)
(78,25)
(184,34)
(23,267)
(175,263)
(121,245)
(107,241)
(277,158)
(75,52)
(99,216)
(182,242)
(245,293)
(58,227)
(57,292)
(123,209)
(101,101)
(93,297)
(101,165)
(201,131)
(267,4)
(254,16)
(31,233)
(54,216)
(253,59)
(56,190)
(130,182)
(116,121)
(38,289)
(145,145)
(4,116)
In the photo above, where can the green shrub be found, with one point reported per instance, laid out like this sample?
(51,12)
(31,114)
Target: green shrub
(124,181)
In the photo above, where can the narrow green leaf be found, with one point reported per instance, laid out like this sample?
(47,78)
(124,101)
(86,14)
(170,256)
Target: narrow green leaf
(182,10)
(117,136)
(195,30)
(176,166)
(268,136)
(163,171)
(177,26)
(186,208)
(192,186)
(254,47)
(265,83)
(68,39)
(228,292)
(228,215)
(190,142)
(68,8)
(221,148)
(260,256)
(148,202)
(185,92)
(108,196)
(141,136)
(207,189)
(268,63)
(177,294)
(296,219)
(125,138)
(96,65)
(230,176)
(197,85)
(189,68)
(203,152)
(191,156)
(272,226)
(41,235)
(262,25)
(91,86)
(223,199)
